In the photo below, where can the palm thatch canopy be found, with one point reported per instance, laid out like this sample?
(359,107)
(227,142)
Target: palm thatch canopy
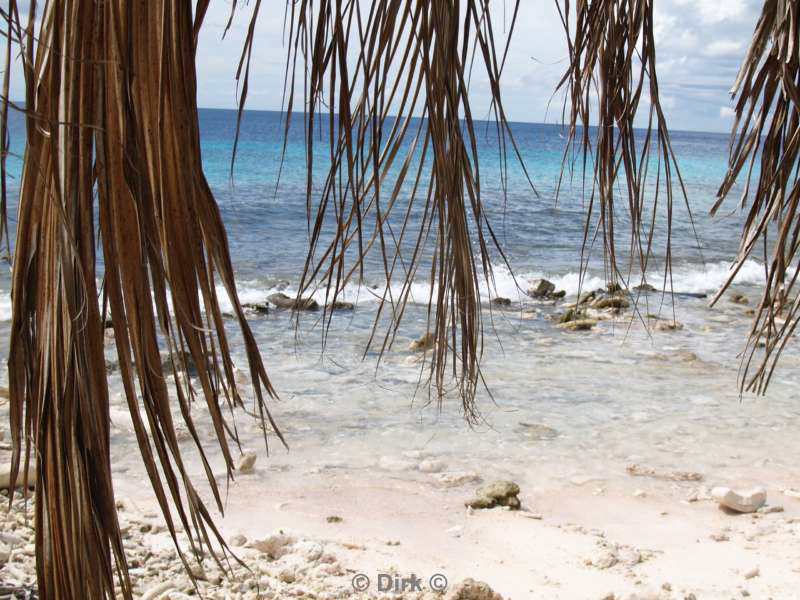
(113,146)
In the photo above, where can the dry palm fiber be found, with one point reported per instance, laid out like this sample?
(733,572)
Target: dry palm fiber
(362,62)
(612,69)
(766,134)
(112,125)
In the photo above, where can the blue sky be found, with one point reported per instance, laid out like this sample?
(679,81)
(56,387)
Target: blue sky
(700,44)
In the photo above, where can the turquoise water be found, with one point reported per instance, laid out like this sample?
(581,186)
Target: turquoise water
(266,216)
(618,394)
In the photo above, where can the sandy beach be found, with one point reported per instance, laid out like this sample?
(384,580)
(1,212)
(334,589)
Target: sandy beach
(618,509)
(643,539)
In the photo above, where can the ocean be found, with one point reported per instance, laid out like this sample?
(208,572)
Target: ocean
(561,408)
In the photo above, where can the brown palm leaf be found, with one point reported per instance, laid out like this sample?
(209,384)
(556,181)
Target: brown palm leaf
(766,134)
(112,116)
(411,59)
(612,68)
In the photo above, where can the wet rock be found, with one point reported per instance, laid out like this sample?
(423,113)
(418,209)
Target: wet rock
(586,297)
(559,294)
(499,301)
(260,308)
(496,493)
(744,501)
(614,288)
(739,299)
(645,287)
(426,342)
(284,302)
(541,288)
(610,302)
(340,306)
(247,462)
(578,325)
(469,589)
(183,361)
(569,315)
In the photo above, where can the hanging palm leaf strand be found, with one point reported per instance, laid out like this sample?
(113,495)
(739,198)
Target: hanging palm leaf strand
(766,138)
(612,68)
(410,58)
(112,113)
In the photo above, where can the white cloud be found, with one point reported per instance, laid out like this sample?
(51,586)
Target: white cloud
(716,11)
(726,112)
(722,48)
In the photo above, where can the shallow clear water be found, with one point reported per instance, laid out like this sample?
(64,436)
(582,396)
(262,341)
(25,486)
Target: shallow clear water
(612,396)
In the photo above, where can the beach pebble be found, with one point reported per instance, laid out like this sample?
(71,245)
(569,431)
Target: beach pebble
(469,589)
(274,546)
(238,540)
(640,494)
(770,509)
(744,501)
(754,572)
(496,493)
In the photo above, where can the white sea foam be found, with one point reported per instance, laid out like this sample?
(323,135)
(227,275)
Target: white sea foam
(692,279)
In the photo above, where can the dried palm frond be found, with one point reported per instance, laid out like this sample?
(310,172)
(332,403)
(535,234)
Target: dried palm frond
(766,135)
(612,69)
(112,125)
(408,189)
